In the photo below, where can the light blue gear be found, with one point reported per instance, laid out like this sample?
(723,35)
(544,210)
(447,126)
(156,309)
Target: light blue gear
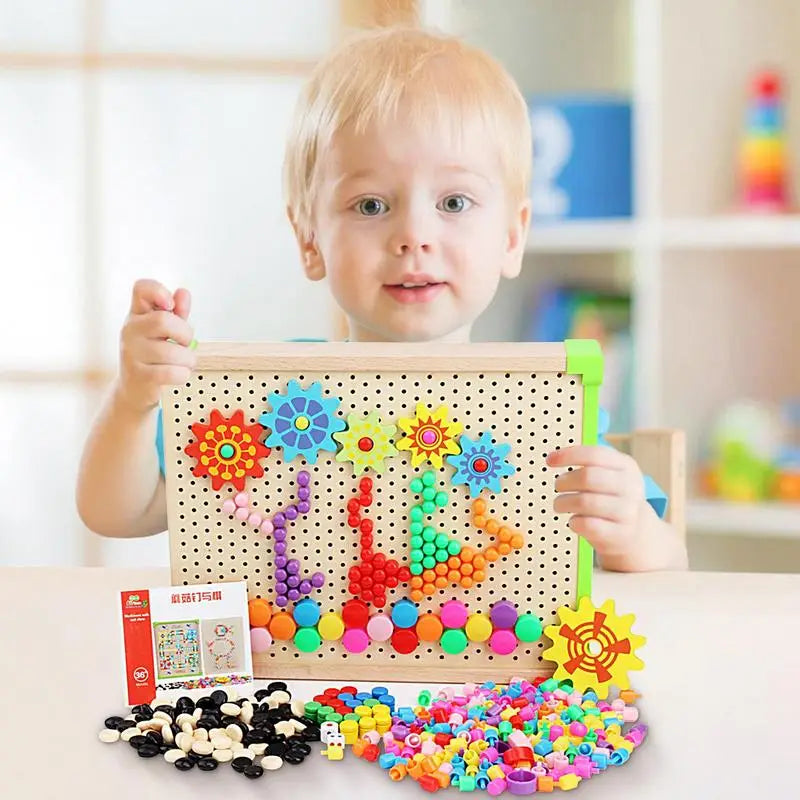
(318,410)
(483,447)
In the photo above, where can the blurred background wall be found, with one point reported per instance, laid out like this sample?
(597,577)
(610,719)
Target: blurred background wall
(144,138)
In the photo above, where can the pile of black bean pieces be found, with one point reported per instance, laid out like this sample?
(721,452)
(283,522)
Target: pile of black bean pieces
(252,734)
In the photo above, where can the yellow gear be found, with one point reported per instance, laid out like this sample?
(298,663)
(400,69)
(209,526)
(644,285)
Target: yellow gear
(593,647)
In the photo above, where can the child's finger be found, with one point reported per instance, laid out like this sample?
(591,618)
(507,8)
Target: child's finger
(591,479)
(149,295)
(602,506)
(600,533)
(183,303)
(168,354)
(587,456)
(168,375)
(160,325)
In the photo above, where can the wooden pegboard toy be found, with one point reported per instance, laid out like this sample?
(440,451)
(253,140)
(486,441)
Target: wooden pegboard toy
(388,505)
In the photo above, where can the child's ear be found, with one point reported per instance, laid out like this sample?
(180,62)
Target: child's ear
(516,239)
(313,263)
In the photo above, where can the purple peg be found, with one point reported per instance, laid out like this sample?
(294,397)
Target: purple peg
(289,582)
(317,580)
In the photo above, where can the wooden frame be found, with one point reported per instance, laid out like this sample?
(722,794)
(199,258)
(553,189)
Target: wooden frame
(534,396)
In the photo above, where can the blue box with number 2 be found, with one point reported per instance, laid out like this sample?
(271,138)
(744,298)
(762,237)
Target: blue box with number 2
(582,157)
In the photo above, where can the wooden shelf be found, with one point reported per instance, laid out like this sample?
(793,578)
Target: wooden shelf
(764,520)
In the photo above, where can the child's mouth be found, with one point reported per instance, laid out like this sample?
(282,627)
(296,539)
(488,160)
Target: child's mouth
(422,292)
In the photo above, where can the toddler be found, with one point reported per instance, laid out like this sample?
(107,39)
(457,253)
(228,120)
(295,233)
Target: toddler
(406,181)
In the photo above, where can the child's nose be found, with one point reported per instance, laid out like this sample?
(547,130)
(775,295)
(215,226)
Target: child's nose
(410,235)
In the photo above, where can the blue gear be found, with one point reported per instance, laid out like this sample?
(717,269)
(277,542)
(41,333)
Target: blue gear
(320,413)
(494,455)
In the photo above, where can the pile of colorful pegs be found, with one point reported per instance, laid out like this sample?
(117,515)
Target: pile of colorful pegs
(523,737)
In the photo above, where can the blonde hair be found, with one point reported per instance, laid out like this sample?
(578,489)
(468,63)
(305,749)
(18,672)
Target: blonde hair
(438,80)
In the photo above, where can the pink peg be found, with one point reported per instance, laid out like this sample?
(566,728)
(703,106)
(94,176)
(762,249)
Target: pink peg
(578,729)
(496,787)
(228,507)
(630,714)
(518,739)
(555,732)
(491,754)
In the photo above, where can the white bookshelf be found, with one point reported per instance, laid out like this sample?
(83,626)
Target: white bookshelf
(724,232)
(732,232)
(582,237)
(714,291)
(766,520)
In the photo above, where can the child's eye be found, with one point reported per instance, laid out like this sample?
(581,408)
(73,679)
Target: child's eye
(455,203)
(371,207)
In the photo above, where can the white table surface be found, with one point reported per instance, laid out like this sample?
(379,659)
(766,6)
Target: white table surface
(722,667)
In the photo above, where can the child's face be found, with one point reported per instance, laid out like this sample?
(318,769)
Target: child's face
(412,232)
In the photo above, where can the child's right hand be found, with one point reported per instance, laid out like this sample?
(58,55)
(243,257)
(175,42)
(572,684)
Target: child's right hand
(148,359)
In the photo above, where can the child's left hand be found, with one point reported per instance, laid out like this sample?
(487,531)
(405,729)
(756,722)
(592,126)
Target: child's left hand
(604,494)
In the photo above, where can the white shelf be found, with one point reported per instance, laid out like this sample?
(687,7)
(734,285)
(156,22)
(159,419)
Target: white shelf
(603,236)
(733,232)
(778,520)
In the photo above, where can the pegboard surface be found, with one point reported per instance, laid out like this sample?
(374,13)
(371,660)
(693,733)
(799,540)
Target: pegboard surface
(522,393)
